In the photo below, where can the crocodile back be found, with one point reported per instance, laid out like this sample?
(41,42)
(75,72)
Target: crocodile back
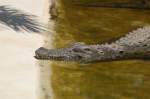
(136,40)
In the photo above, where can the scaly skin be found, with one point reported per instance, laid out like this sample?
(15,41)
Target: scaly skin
(134,45)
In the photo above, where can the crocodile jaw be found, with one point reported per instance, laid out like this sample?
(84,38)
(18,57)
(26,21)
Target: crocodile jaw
(63,54)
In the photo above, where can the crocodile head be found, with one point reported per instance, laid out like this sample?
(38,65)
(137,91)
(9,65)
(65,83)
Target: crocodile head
(79,52)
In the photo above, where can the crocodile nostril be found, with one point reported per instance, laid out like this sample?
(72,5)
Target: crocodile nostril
(121,52)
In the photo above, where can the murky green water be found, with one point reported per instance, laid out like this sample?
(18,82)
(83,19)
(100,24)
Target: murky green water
(103,80)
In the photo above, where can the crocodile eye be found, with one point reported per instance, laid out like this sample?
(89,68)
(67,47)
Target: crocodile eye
(87,49)
(101,52)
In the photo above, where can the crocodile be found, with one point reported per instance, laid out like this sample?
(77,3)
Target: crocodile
(133,45)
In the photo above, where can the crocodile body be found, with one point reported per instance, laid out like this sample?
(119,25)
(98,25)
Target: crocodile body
(134,45)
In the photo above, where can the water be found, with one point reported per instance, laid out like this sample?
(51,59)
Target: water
(104,80)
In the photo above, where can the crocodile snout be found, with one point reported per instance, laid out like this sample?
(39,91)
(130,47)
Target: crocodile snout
(41,53)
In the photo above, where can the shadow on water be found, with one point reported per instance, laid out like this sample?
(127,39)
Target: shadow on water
(105,80)
(18,21)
